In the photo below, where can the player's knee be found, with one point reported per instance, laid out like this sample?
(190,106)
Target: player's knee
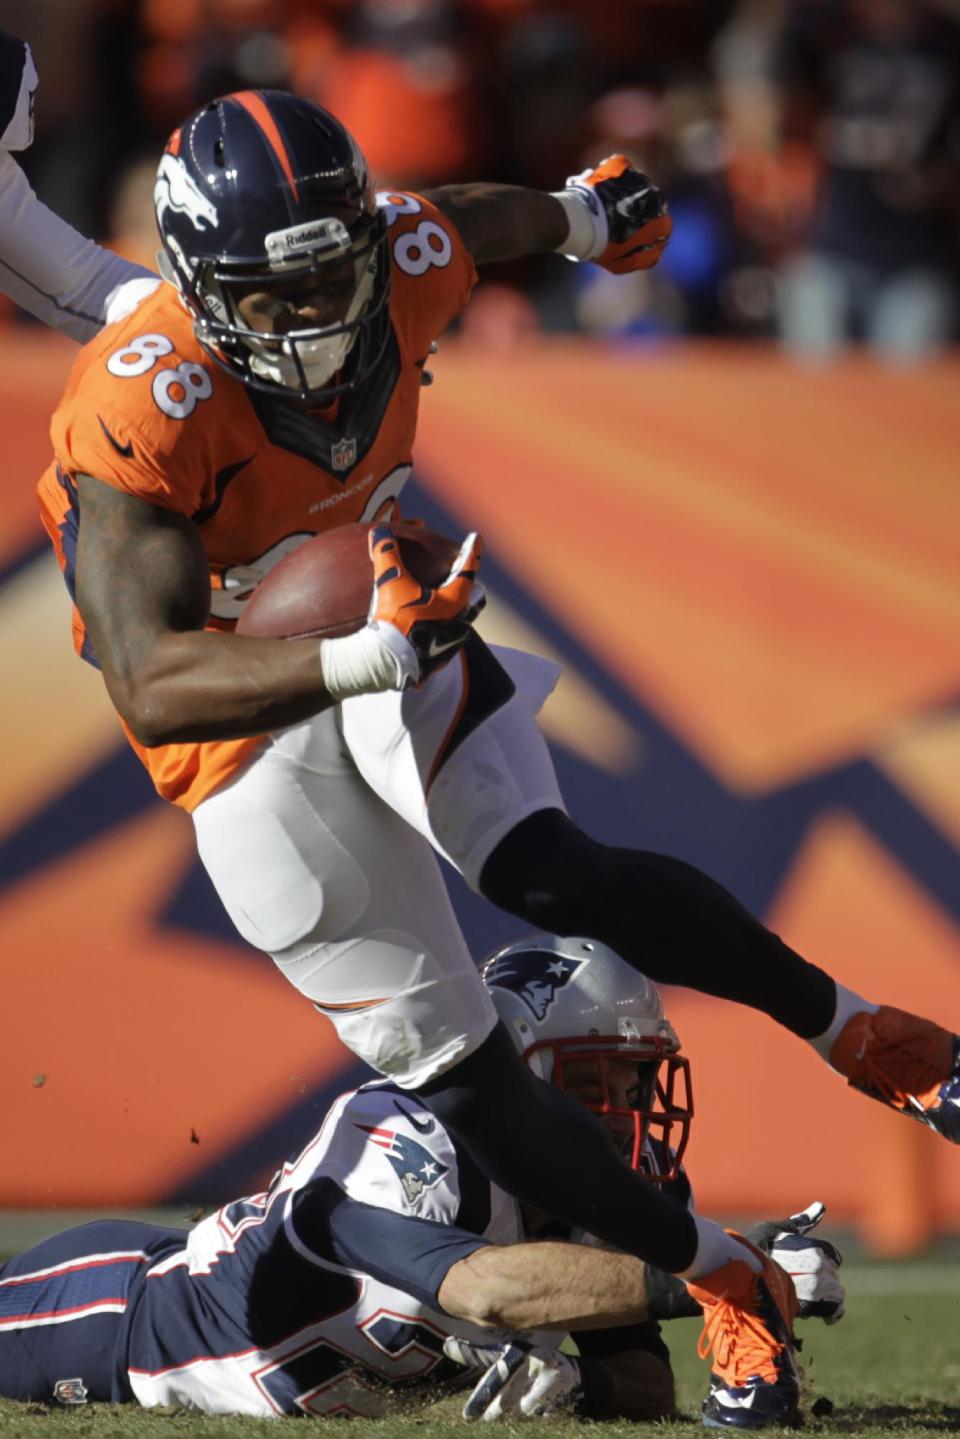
(551,874)
(406,1011)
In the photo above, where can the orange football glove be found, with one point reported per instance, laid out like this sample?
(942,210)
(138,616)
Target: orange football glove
(628,212)
(433,622)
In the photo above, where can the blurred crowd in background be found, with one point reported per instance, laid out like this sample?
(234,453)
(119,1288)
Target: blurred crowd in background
(810,149)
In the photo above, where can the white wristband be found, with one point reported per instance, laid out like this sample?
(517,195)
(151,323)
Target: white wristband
(587,220)
(374,659)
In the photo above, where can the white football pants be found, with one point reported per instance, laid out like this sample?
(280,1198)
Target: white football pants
(320,849)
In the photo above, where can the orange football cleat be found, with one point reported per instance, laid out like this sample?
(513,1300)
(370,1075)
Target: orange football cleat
(748,1327)
(909,1063)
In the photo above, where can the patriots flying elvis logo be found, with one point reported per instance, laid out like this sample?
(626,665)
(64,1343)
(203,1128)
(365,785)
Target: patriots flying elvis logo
(534,975)
(414,1166)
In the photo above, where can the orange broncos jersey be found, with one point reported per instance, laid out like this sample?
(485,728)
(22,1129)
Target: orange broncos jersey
(146,409)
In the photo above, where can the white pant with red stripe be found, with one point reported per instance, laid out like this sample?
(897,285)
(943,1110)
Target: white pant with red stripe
(321,850)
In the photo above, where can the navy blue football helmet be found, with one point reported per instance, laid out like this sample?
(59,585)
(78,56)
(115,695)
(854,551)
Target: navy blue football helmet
(271,232)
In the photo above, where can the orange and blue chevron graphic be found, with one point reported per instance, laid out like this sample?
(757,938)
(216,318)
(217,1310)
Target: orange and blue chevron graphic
(750,573)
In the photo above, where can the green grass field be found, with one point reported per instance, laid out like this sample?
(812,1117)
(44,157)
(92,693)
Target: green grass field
(892,1366)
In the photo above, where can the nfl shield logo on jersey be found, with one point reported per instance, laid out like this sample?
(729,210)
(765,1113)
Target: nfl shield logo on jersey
(534,975)
(70,1391)
(343,454)
(413,1165)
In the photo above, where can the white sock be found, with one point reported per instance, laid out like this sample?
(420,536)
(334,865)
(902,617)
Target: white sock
(848,1004)
(714,1248)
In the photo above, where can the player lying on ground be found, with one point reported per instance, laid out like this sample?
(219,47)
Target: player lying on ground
(271,392)
(343,1285)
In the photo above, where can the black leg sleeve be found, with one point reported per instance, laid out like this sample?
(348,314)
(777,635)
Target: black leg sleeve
(540,1145)
(663,916)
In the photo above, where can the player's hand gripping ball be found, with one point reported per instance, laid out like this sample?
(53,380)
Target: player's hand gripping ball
(412,592)
(323,588)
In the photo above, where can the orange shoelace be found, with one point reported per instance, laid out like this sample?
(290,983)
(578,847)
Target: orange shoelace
(741,1343)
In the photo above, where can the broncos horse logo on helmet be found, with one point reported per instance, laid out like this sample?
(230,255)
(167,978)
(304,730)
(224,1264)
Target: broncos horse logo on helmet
(175,189)
(263,194)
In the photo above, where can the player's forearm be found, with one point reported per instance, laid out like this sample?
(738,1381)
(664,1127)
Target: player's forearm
(199,685)
(48,268)
(546,1286)
(502,222)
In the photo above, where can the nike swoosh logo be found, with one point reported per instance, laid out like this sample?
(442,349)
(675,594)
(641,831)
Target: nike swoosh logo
(629,203)
(440,647)
(221,480)
(126,451)
(423,1126)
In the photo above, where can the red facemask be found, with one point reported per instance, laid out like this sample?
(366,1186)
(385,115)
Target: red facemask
(659,1109)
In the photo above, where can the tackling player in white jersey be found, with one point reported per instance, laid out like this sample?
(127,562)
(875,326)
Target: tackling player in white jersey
(380,1262)
(45,266)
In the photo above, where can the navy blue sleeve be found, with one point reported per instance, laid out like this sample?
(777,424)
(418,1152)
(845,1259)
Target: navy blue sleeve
(398,1249)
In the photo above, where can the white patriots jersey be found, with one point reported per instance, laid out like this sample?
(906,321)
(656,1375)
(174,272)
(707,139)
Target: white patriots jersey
(255,1316)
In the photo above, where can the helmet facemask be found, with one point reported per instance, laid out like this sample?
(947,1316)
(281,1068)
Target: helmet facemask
(639,1088)
(261,193)
(585,1020)
(341,275)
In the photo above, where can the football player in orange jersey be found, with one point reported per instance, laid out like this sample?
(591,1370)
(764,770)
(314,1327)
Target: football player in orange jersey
(266,393)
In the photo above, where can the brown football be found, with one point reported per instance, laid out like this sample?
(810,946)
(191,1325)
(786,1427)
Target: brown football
(323,588)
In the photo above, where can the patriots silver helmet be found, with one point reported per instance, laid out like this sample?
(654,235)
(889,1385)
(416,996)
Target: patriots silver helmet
(587,1021)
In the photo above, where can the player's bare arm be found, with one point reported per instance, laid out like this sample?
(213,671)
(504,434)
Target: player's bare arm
(546,1286)
(502,222)
(613,215)
(144,593)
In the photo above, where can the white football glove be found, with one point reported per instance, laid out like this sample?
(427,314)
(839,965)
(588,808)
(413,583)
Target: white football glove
(813,1264)
(519,1380)
(17,101)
